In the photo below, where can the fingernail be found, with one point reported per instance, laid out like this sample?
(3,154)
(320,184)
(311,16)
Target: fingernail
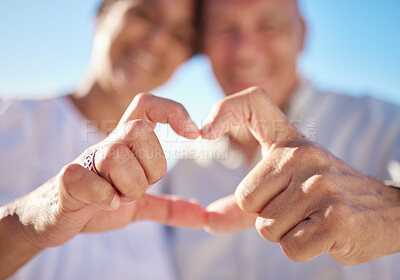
(206,128)
(191,130)
(115,202)
(126,200)
(191,127)
(194,201)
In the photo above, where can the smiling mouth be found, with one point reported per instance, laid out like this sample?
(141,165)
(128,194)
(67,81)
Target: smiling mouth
(134,59)
(142,59)
(248,75)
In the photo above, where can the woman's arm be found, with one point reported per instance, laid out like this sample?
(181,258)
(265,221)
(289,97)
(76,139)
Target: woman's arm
(80,200)
(15,248)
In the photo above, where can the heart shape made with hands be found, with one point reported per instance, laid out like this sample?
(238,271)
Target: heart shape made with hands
(293,196)
(298,195)
(252,107)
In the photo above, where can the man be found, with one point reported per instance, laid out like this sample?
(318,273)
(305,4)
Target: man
(295,192)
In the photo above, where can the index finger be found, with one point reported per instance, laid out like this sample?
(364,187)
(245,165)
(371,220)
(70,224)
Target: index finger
(170,210)
(254,108)
(156,109)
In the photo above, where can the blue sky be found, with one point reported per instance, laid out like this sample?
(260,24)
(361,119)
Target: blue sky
(353,47)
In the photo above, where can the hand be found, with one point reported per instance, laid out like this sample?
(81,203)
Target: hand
(128,161)
(299,194)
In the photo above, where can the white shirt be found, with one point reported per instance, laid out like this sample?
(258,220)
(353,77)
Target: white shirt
(39,137)
(363,132)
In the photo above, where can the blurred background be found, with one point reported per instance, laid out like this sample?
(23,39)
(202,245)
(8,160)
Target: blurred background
(353,47)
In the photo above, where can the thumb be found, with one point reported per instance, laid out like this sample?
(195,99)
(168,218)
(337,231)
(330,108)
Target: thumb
(255,109)
(225,216)
(170,210)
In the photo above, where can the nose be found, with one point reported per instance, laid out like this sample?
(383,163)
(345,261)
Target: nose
(157,38)
(245,47)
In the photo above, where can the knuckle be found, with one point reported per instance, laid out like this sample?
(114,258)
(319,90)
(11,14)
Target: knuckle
(116,148)
(71,173)
(116,151)
(244,199)
(181,110)
(308,152)
(267,230)
(312,185)
(260,91)
(158,172)
(180,114)
(257,93)
(292,249)
(143,98)
(323,186)
(139,126)
(271,211)
(255,90)
(136,129)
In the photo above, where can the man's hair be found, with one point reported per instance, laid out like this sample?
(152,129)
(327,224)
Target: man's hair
(198,10)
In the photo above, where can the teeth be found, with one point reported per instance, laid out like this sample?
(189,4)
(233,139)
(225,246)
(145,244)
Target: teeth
(143,59)
(249,75)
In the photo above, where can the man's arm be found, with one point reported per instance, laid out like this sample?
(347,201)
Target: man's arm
(299,194)
(392,184)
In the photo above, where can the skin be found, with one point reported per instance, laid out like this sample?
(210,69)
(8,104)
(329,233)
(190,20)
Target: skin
(336,202)
(254,43)
(299,194)
(137,46)
(142,43)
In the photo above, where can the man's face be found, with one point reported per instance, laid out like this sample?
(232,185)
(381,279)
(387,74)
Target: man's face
(254,42)
(139,43)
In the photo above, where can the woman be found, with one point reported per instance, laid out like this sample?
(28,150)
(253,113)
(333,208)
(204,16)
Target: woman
(137,46)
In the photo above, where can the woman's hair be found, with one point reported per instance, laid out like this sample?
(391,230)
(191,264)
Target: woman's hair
(198,10)
(198,25)
(104,5)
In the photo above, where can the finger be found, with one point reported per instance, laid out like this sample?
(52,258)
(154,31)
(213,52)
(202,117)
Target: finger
(289,208)
(262,184)
(80,187)
(160,110)
(254,108)
(118,164)
(308,240)
(139,136)
(170,210)
(225,216)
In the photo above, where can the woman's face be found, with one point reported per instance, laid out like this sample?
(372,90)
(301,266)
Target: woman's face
(139,43)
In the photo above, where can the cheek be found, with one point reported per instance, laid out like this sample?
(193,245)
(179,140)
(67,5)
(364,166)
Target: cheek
(129,32)
(217,49)
(172,60)
(282,54)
